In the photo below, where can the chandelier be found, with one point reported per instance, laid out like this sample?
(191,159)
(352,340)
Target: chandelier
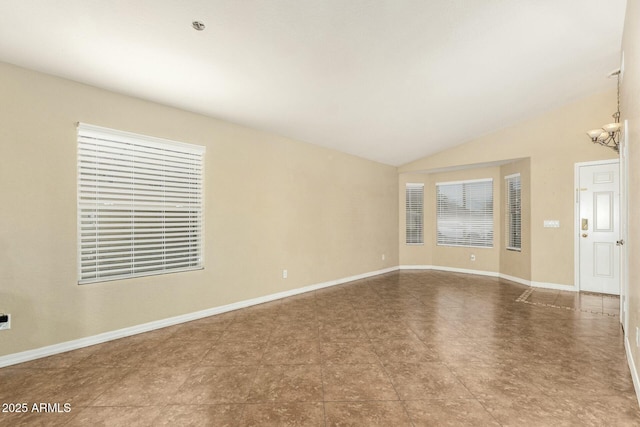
(609,134)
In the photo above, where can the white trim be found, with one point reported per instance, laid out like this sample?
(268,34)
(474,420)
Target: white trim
(466,271)
(513,175)
(415,267)
(624,225)
(543,285)
(449,269)
(557,286)
(25,356)
(519,280)
(515,279)
(135,138)
(414,184)
(632,368)
(465,181)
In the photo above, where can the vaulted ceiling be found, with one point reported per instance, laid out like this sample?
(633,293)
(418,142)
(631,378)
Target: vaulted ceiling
(387,80)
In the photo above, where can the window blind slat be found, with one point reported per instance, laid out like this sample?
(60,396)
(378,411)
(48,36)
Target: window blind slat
(140,205)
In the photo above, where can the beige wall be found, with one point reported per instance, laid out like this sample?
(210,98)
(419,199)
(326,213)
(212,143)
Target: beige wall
(553,142)
(630,109)
(271,204)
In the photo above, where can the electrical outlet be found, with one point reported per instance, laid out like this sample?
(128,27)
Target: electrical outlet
(285,274)
(473,257)
(383,257)
(7,324)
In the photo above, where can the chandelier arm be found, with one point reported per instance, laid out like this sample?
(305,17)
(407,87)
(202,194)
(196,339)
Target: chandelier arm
(612,139)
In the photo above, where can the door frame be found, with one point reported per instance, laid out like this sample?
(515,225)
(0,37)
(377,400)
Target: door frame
(576,215)
(624,227)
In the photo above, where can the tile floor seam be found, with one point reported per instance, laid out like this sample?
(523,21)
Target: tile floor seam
(407,413)
(489,412)
(462,382)
(324,400)
(124,375)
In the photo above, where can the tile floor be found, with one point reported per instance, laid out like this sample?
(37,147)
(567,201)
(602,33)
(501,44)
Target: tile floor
(402,349)
(587,302)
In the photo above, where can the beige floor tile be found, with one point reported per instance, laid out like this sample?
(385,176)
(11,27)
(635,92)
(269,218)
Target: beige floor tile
(216,384)
(199,415)
(350,352)
(404,351)
(370,414)
(287,383)
(291,352)
(309,414)
(449,412)
(177,354)
(62,360)
(146,386)
(426,380)
(229,353)
(116,416)
(36,419)
(357,382)
(532,411)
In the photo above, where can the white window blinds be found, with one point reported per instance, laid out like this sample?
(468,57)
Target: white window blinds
(465,213)
(414,201)
(140,205)
(513,220)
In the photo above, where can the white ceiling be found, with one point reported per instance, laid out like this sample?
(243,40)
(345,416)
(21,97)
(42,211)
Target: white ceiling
(387,80)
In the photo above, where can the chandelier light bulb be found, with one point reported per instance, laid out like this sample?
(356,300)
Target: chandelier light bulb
(611,128)
(594,134)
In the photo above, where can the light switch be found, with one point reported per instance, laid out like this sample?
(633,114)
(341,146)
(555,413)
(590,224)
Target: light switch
(552,223)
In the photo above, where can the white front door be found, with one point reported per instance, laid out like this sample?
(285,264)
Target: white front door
(599,227)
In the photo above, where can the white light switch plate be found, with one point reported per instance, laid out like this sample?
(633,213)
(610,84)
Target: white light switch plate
(6,325)
(551,223)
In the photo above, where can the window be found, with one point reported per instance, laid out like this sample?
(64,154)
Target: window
(465,213)
(513,220)
(414,211)
(140,205)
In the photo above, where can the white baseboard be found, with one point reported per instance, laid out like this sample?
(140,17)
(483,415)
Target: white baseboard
(632,368)
(449,269)
(525,282)
(25,356)
(556,286)
(465,271)
(515,279)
